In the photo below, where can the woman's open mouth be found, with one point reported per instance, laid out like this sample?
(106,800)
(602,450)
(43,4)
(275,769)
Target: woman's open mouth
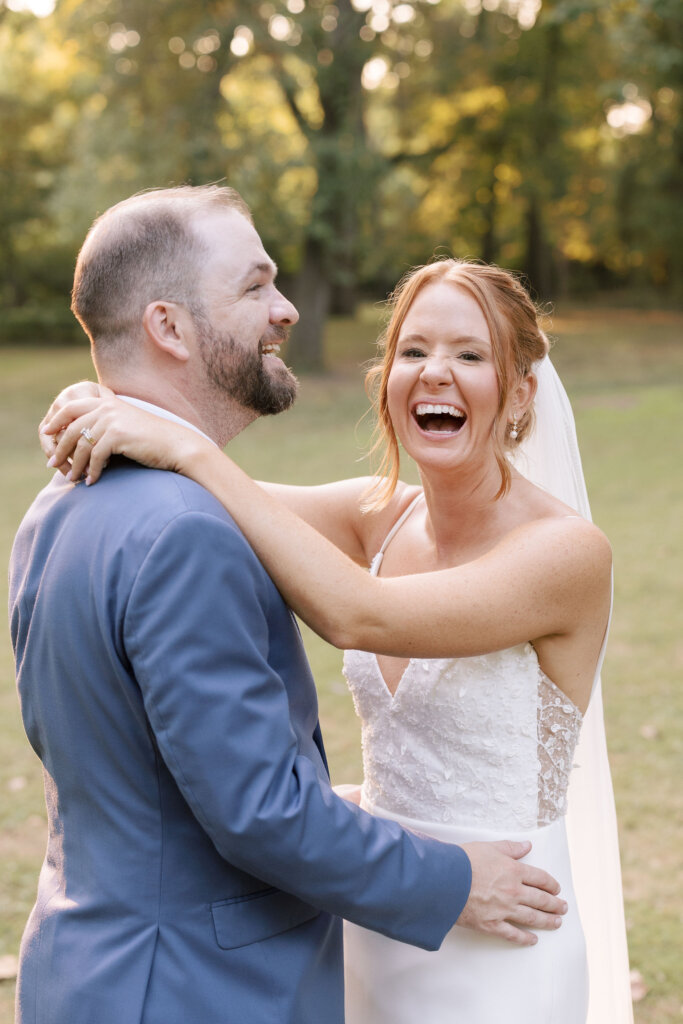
(445,420)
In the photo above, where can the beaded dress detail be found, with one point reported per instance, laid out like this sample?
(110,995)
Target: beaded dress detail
(486,740)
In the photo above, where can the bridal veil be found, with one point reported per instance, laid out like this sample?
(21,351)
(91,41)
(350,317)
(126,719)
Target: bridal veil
(550,458)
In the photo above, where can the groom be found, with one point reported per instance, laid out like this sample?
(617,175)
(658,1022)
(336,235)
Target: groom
(198,862)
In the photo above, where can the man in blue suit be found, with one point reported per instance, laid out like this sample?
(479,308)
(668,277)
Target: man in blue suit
(198,862)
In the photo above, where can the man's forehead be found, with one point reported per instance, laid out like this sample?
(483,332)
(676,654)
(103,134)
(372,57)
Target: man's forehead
(234,240)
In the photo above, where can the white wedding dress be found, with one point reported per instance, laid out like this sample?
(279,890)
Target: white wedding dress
(469,749)
(481,749)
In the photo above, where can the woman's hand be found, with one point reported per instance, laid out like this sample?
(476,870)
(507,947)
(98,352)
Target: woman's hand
(91,430)
(84,389)
(348,791)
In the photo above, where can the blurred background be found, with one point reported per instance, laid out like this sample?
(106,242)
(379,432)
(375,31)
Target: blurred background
(366,135)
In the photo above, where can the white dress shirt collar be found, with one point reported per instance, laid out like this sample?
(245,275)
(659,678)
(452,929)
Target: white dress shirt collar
(156,410)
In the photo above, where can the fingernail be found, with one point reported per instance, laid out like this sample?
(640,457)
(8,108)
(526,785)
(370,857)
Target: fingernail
(52,461)
(565,907)
(558,922)
(68,475)
(88,481)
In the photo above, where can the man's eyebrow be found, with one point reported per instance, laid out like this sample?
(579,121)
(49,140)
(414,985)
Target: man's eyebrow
(261,266)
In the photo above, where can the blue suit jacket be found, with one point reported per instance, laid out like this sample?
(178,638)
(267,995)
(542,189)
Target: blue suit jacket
(198,861)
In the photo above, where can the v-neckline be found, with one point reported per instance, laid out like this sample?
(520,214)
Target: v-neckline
(385,686)
(411,661)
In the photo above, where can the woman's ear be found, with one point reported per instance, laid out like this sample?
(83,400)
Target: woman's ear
(523,395)
(168,326)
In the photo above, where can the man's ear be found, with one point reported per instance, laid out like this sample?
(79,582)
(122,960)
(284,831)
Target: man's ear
(169,327)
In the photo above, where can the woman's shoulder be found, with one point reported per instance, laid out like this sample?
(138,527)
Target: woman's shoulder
(377,522)
(560,542)
(548,517)
(347,511)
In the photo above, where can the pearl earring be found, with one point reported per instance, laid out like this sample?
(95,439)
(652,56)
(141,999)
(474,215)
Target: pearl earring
(513,430)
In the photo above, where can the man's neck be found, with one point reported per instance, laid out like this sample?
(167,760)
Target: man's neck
(165,414)
(221,421)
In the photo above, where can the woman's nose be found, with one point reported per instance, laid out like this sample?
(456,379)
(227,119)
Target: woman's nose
(436,371)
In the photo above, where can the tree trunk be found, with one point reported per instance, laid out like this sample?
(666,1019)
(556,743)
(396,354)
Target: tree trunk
(344,298)
(311,293)
(538,257)
(489,210)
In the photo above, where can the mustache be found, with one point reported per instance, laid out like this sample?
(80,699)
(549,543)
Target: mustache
(277,333)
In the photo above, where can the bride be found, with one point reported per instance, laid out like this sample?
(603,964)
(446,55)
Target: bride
(486,611)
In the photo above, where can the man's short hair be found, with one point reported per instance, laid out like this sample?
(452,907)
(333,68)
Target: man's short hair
(143,250)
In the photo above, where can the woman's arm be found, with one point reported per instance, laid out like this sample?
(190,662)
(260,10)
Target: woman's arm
(333,509)
(543,579)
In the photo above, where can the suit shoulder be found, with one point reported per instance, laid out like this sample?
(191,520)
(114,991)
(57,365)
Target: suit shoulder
(155,497)
(126,513)
(174,509)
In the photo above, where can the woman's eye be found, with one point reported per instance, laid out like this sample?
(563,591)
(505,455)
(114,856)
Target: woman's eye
(255,287)
(412,353)
(472,357)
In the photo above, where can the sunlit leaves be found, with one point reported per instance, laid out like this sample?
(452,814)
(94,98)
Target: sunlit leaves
(370,131)
(242,41)
(41,8)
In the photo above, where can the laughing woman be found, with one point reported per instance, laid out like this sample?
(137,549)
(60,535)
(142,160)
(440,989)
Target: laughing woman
(473,644)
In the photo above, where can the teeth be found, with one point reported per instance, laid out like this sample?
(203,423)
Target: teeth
(424,409)
(271,349)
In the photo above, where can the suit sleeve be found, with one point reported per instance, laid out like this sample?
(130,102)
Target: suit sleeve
(196,632)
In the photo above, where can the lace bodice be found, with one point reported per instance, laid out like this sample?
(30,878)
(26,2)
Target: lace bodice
(486,741)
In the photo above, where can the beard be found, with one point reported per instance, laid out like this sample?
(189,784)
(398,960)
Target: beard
(242,374)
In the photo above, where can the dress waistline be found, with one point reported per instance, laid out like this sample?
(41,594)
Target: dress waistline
(449,833)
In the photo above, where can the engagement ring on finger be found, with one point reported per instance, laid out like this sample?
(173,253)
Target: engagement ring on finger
(88,436)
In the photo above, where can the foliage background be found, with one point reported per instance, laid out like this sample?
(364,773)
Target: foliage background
(365,134)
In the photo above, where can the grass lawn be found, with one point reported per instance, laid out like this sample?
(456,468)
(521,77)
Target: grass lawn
(623,370)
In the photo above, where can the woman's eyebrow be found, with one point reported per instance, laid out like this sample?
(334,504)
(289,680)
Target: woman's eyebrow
(460,339)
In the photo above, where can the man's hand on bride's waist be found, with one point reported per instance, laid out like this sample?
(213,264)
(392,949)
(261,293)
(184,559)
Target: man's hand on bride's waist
(508,896)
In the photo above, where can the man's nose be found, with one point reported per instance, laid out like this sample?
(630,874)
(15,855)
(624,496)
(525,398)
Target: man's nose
(282,311)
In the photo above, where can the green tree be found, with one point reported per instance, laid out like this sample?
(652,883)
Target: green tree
(363,133)
(271,97)
(34,76)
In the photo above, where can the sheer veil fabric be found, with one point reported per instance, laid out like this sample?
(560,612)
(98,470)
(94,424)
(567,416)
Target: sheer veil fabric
(550,458)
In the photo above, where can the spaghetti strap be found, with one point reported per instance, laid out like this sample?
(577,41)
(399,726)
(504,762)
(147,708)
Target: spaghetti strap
(377,560)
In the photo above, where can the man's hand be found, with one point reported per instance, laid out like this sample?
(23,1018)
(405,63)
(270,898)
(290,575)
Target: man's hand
(508,896)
